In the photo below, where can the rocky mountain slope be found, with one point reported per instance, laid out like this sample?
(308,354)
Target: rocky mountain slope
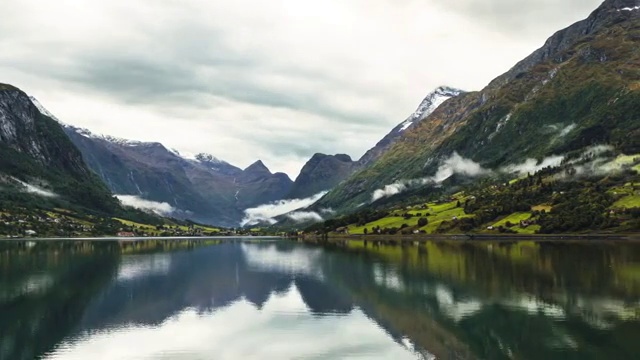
(202,187)
(322,172)
(582,88)
(430,103)
(38,160)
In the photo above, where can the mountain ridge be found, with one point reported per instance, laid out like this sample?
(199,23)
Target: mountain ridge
(577,90)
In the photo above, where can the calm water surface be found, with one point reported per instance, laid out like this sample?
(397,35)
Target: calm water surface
(283,300)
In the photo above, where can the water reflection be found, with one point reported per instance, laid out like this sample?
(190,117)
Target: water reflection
(520,300)
(284,300)
(283,328)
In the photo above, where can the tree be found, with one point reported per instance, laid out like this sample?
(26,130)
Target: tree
(423,221)
(365,231)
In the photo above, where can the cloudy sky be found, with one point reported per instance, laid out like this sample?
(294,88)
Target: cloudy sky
(276,80)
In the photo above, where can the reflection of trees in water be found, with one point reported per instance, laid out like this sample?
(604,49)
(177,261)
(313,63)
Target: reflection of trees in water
(37,313)
(457,300)
(525,299)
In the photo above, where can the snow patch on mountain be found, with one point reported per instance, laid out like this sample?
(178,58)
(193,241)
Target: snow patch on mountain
(429,105)
(42,109)
(630,8)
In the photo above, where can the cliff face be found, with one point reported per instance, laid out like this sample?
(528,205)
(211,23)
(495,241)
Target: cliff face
(35,149)
(322,172)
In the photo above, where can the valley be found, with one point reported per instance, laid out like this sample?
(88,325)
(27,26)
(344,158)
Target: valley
(565,116)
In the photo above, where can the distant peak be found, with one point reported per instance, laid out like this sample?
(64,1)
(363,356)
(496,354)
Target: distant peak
(319,156)
(257,166)
(343,157)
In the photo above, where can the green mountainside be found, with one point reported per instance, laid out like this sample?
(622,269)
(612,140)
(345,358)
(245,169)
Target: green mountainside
(34,150)
(582,88)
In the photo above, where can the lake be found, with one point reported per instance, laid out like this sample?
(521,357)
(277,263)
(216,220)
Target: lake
(278,299)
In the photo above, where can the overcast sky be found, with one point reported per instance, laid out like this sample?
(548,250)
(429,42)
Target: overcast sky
(274,80)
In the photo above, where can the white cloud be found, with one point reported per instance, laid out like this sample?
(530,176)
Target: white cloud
(303,216)
(33,189)
(267,212)
(388,191)
(160,208)
(531,166)
(206,76)
(454,164)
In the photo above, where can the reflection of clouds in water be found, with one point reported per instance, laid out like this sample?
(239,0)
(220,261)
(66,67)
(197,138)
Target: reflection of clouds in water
(602,313)
(533,306)
(283,329)
(34,284)
(298,261)
(387,278)
(456,310)
(37,283)
(136,266)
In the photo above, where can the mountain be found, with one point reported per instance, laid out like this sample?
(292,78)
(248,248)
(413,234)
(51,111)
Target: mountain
(202,187)
(38,161)
(257,185)
(581,88)
(322,172)
(430,103)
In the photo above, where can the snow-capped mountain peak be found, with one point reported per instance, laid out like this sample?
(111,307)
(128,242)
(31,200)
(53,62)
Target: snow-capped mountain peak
(429,105)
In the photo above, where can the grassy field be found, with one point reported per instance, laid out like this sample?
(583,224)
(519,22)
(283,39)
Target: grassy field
(515,219)
(626,159)
(542,207)
(151,228)
(435,214)
(627,202)
(138,225)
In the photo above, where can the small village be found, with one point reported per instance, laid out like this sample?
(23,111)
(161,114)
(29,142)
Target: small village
(61,223)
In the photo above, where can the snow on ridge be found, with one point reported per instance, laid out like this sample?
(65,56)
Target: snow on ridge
(200,157)
(430,104)
(183,155)
(630,8)
(406,125)
(44,110)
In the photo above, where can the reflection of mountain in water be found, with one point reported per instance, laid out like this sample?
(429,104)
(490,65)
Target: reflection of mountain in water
(284,328)
(41,301)
(459,301)
(154,287)
(234,289)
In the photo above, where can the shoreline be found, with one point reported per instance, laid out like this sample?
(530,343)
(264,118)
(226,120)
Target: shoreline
(475,238)
(136,239)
